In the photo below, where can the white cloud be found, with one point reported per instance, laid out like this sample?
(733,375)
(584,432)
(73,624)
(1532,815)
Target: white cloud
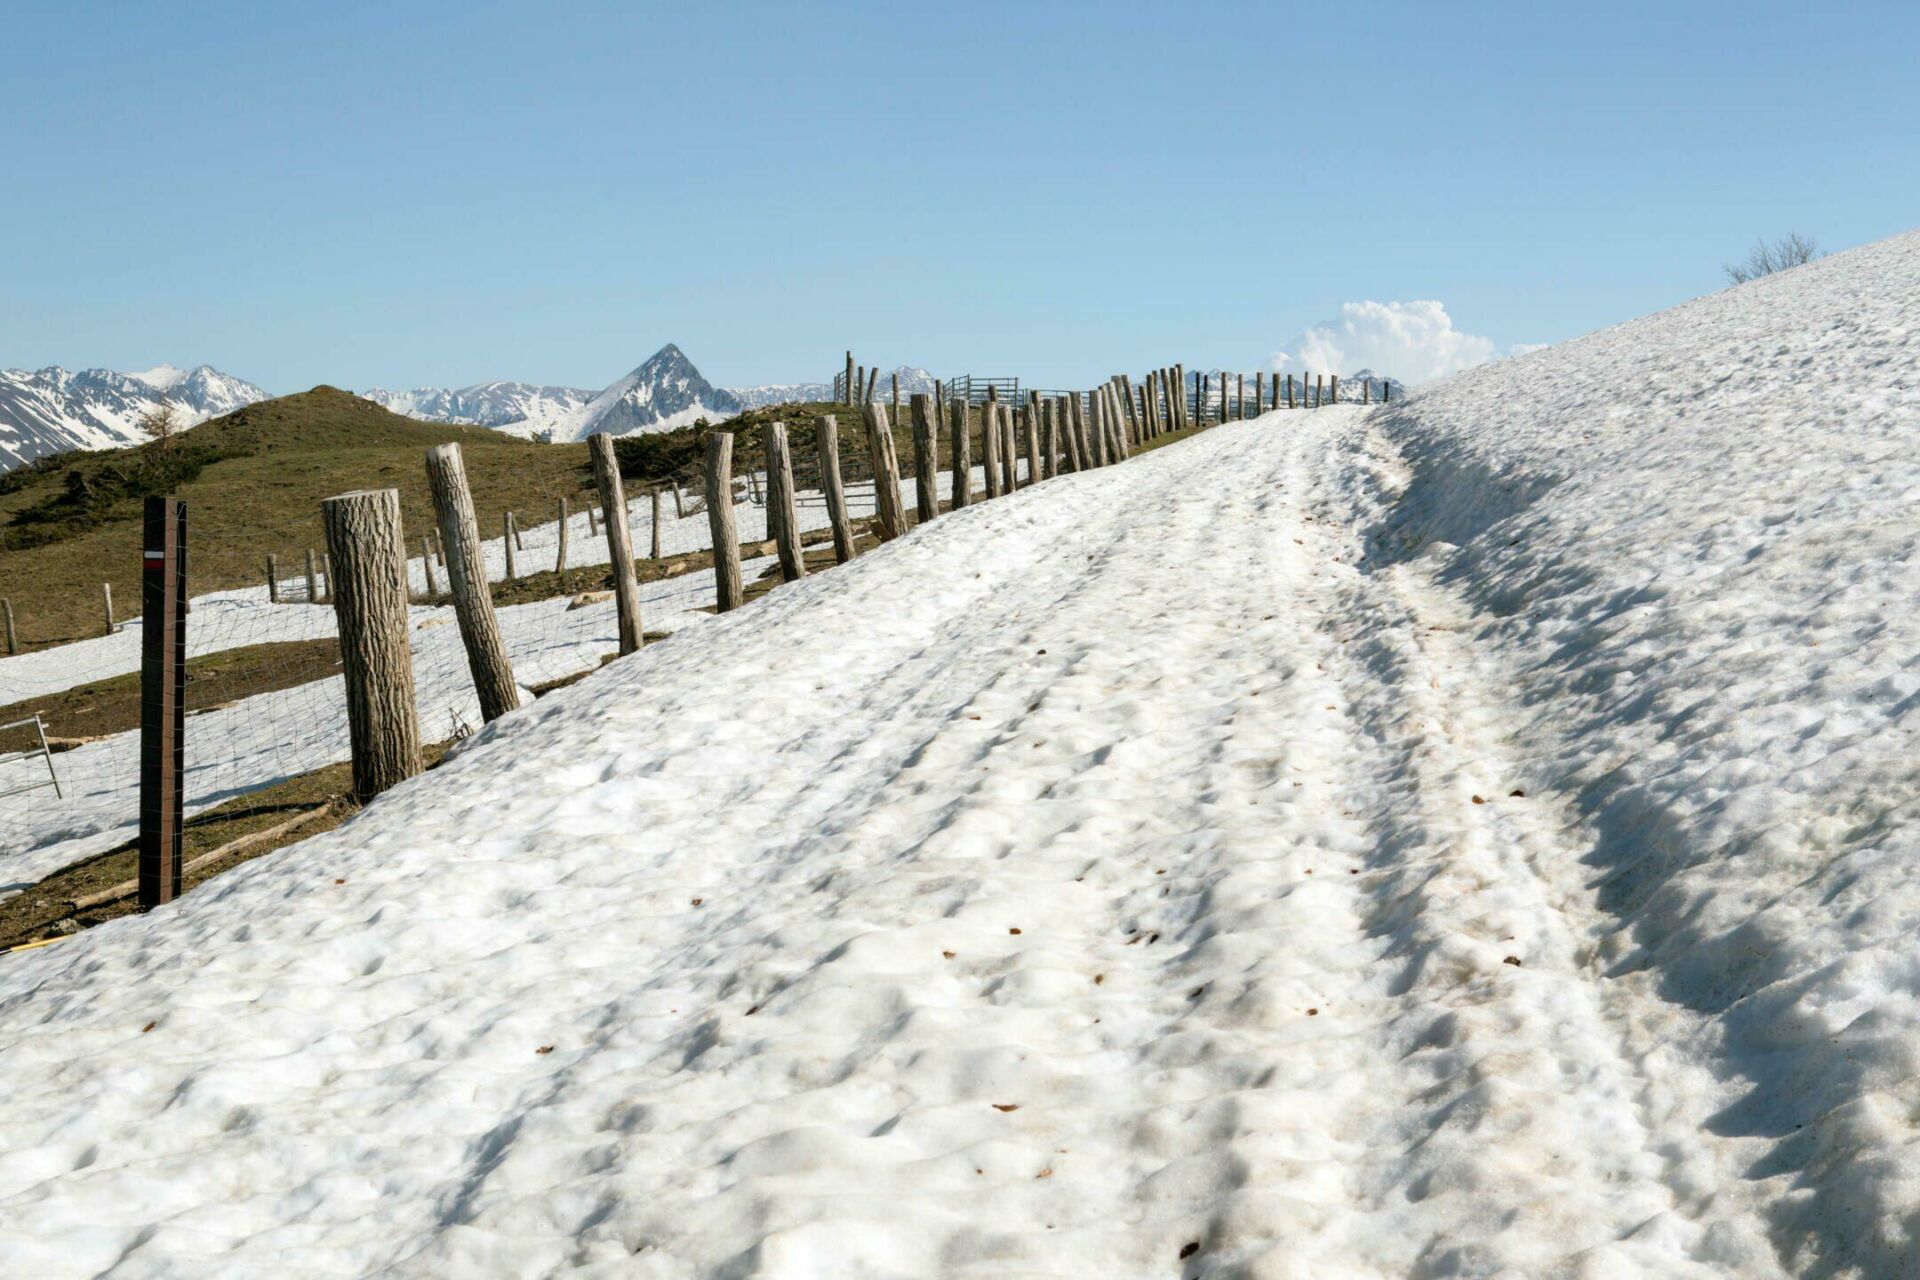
(1412,341)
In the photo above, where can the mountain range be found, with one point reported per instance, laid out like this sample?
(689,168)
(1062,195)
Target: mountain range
(52,410)
(665,392)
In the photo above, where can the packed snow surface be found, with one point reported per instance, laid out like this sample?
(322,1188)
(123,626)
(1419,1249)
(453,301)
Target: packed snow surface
(1469,838)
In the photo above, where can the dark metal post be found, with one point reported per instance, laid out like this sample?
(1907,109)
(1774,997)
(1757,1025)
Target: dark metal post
(163,698)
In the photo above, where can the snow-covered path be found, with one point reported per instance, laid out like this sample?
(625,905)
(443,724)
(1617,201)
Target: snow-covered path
(1118,889)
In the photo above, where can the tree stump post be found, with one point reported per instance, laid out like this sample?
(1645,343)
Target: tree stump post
(727,589)
(467,581)
(366,543)
(826,434)
(926,476)
(886,472)
(782,513)
(613,505)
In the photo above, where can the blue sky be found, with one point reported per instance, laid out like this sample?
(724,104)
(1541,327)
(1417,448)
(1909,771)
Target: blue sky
(419,194)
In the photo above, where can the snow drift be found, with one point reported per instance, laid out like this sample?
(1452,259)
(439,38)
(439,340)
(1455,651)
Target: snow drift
(1469,838)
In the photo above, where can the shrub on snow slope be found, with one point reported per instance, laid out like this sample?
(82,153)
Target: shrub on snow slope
(1693,540)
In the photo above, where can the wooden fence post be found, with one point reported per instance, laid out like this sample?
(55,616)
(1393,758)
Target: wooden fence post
(926,495)
(519,543)
(163,698)
(613,505)
(106,598)
(886,472)
(1289,391)
(326,578)
(13,640)
(1366,390)
(506,542)
(959,457)
(653,517)
(826,434)
(366,542)
(1032,423)
(782,514)
(990,446)
(679,502)
(1120,450)
(846,389)
(1259,392)
(273,582)
(467,582)
(426,564)
(1334,387)
(560,555)
(727,589)
(593,521)
(873,376)
(1009,453)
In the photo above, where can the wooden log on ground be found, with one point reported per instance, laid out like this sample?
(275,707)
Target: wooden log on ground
(783,516)
(926,475)
(959,455)
(253,839)
(467,581)
(613,506)
(368,550)
(727,587)
(826,434)
(886,473)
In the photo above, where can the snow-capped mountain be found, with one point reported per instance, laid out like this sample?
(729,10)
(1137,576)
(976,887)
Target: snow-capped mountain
(665,392)
(53,410)
(487,404)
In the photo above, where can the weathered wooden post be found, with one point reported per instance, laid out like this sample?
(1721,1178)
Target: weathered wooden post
(1259,392)
(163,697)
(1333,387)
(367,545)
(1009,451)
(273,582)
(13,640)
(990,446)
(1366,390)
(886,472)
(727,589)
(426,564)
(1289,391)
(679,501)
(1032,423)
(506,542)
(326,578)
(519,543)
(1082,447)
(873,376)
(593,521)
(894,380)
(313,583)
(846,391)
(960,456)
(926,494)
(783,517)
(653,532)
(826,434)
(1120,450)
(106,598)
(467,582)
(613,505)
(560,555)
(1386,391)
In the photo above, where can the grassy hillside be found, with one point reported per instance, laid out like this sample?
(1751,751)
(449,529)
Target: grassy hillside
(253,482)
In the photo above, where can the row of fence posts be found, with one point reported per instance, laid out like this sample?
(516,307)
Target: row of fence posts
(366,557)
